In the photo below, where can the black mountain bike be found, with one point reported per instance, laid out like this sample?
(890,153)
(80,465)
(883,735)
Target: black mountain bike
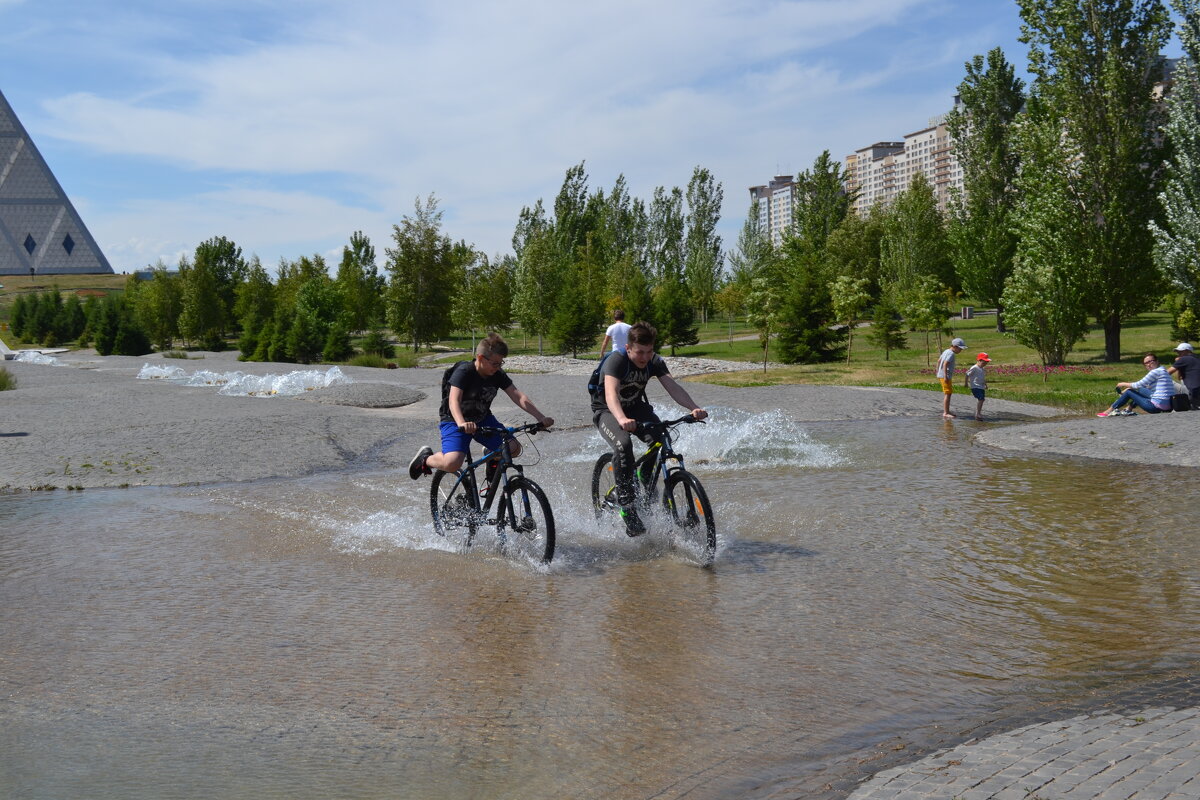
(682,495)
(522,517)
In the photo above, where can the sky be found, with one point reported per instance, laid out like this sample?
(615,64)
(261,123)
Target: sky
(287,125)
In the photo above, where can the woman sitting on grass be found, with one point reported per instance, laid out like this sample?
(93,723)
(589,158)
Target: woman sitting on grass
(1152,393)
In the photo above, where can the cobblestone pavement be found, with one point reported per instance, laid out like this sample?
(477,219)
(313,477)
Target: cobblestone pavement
(1153,754)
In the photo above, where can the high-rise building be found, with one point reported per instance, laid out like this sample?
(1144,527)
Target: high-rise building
(775,206)
(881,171)
(40,231)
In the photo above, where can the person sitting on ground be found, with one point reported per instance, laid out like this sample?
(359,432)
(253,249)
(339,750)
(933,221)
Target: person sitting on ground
(467,394)
(618,332)
(945,373)
(976,381)
(1187,369)
(621,405)
(1152,393)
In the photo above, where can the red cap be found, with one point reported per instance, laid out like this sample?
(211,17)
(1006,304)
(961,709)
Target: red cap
(982,357)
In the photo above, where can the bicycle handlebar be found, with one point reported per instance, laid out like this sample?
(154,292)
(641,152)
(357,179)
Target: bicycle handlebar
(664,425)
(531,428)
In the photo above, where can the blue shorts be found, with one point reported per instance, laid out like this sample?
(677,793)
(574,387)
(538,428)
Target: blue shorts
(977,392)
(455,441)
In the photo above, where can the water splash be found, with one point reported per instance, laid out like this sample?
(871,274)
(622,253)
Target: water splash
(241,384)
(34,357)
(736,438)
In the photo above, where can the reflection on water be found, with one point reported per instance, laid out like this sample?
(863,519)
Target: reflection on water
(315,638)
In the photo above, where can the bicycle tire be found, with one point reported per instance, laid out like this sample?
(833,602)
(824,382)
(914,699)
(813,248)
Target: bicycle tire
(454,506)
(604,486)
(526,520)
(691,513)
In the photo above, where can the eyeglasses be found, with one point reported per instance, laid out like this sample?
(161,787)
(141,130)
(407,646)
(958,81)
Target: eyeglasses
(495,362)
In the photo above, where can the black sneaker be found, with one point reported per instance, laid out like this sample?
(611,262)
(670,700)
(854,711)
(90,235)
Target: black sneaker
(416,467)
(633,522)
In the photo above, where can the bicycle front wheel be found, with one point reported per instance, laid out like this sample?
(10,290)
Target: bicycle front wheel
(527,521)
(691,514)
(454,505)
(604,486)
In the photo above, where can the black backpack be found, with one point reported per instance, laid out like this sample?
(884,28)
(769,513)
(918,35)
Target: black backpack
(596,382)
(450,371)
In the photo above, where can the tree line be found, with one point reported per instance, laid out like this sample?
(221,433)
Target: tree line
(1078,206)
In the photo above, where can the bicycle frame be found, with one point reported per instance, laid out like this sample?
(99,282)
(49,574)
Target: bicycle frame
(466,473)
(660,451)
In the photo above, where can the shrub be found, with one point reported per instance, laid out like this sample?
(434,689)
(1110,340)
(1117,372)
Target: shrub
(368,360)
(7,380)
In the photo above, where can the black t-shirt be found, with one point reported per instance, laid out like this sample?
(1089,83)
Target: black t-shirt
(478,391)
(1188,367)
(632,383)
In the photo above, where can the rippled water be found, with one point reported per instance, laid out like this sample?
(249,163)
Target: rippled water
(315,639)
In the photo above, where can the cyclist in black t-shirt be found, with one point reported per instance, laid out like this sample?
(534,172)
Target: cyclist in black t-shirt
(467,394)
(617,411)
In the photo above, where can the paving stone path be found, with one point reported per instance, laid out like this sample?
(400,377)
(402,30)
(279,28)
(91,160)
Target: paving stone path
(1153,754)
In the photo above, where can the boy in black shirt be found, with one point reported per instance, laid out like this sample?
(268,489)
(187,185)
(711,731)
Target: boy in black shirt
(467,395)
(617,411)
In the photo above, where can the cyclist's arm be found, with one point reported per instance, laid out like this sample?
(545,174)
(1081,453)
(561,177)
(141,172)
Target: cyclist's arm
(680,395)
(523,402)
(604,344)
(612,399)
(455,402)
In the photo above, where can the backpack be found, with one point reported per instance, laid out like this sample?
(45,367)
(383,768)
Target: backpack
(596,382)
(450,371)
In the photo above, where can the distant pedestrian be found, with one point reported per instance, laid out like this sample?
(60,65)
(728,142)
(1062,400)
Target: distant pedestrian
(618,332)
(945,373)
(1151,394)
(1187,369)
(976,381)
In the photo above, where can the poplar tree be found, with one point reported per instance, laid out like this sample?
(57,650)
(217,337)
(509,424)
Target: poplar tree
(704,260)
(1177,239)
(980,221)
(422,276)
(1096,63)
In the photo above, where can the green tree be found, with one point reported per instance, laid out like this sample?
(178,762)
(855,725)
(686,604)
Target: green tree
(158,306)
(980,230)
(850,299)
(536,285)
(361,285)
(1177,239)
(201,315)
(924,308)
(820,204)
(852,249)
(766,301)
(1043,293)
(753,249)
(422,277)
(914,242)
(222,260)
(1096,63)
(886,330)
(805,322)
(255,306)
(704,260)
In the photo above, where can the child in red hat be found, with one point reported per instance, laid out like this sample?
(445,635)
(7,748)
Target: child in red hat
(976,381)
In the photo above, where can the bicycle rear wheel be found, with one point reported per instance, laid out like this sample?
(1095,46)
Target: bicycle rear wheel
(454,505)
(526,520)
(691,514)
(604,486)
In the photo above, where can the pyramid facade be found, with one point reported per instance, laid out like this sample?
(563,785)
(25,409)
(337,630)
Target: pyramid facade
(40,231)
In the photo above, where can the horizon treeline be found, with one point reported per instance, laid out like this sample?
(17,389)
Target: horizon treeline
(1079,205)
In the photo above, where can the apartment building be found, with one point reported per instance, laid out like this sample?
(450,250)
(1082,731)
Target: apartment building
(881,171)
(775,205)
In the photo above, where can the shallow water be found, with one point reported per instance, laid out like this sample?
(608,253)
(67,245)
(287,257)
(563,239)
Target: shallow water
(314,638)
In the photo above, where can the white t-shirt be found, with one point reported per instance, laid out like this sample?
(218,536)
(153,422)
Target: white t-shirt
(619,333)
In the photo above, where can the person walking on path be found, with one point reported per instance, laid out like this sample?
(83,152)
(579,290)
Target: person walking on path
(976,381)
(468,389)
(1151,394)
(1187,369)
(945,373)
(618,332)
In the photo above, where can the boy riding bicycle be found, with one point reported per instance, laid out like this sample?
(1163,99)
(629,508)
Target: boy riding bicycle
(467,393)
(622,404)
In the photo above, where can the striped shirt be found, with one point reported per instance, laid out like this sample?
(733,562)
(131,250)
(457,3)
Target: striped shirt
(1158,380)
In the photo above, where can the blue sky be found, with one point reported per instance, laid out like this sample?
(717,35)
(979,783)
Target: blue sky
(286,125)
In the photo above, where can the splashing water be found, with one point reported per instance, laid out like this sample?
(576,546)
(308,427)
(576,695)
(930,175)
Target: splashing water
(734,437)
(241,384)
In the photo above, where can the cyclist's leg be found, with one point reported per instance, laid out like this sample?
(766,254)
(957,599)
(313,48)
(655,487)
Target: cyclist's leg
(490,444)
(456,446)
(622,445)
(644,413)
